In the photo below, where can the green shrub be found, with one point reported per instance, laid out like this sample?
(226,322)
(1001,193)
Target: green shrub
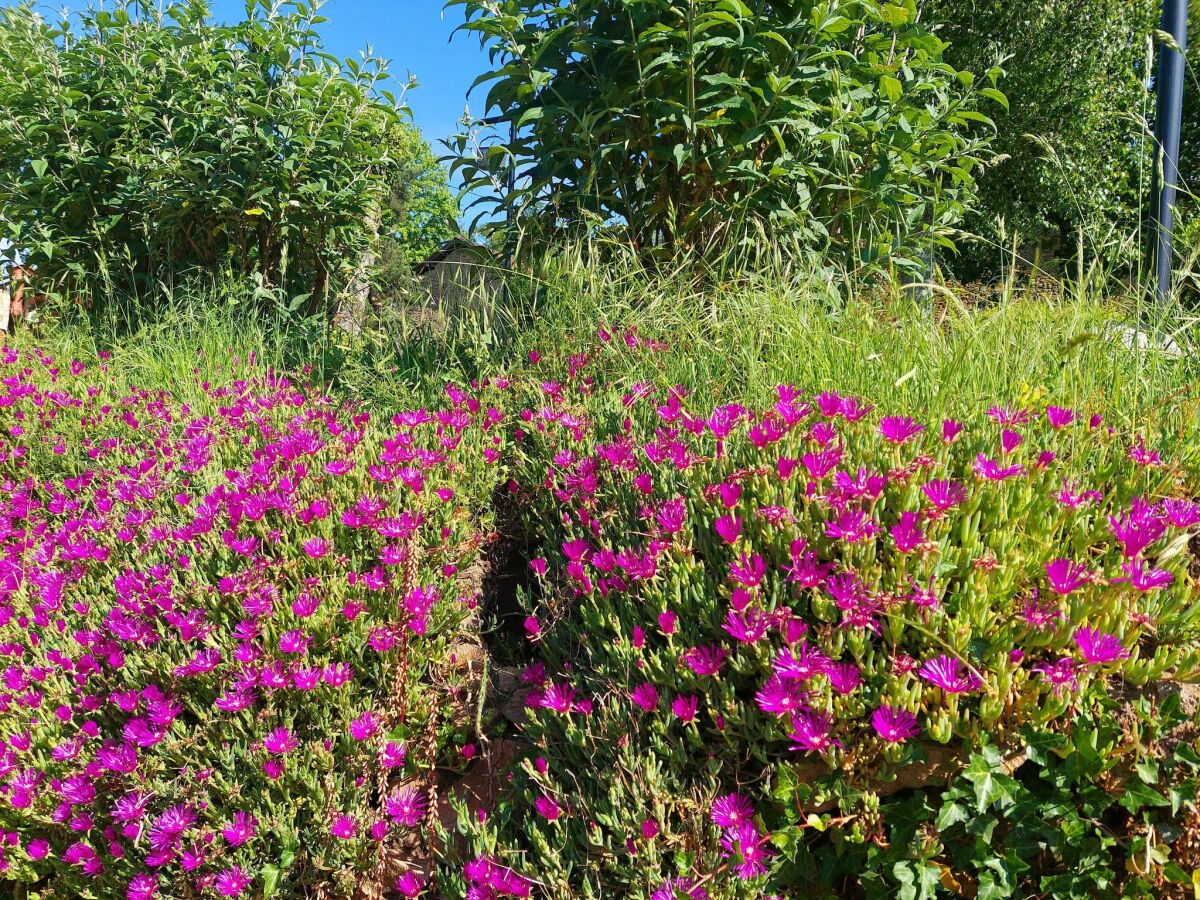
(140,143)
(836,126)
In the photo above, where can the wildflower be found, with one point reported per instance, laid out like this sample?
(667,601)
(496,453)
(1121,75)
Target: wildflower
(852,526)
(684,708)
(316,547)
(666,622)
(645,695)
(1180,512)
(729,527)
(1143,577)
(732,810)
(1098,647)
(748,848)
(944,494)
(1066,576)
(705,660)
(1059,417)
(1002,415)
(807,662)
(143,886)
(558,697)
(674,888)
(344,827)
(232,882)
(364,726)
(898,429)
(949,674)
(730,494)
(1136,530)
(410,884)
(810,732)
(240,830)
(993,471)
(780,696)
(1009,441)
(547,808)
(907,532)
(406,806)
(1061,675)
(844,677)
(1143,457)
(951,430)
(748,625)
(894,724)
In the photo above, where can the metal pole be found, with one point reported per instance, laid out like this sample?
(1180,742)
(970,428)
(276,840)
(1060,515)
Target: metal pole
(1167,121)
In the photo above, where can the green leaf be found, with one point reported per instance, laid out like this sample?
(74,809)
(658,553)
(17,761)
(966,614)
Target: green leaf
(891,87)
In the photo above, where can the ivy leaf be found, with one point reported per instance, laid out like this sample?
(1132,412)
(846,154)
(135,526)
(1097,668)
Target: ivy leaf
(1138,795)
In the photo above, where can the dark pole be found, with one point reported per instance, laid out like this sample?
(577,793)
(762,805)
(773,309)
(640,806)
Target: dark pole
(1169,90)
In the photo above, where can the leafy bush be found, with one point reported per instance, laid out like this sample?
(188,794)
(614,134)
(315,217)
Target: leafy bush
(753,623)
(229,631)
(141,142)
(419,213)
(835,126)
(1075,147)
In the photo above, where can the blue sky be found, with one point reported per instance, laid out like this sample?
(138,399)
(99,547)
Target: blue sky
(415,36)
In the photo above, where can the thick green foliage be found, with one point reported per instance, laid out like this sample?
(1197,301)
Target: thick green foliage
(140,143)
(420,212)
(1076,152)
(692,124)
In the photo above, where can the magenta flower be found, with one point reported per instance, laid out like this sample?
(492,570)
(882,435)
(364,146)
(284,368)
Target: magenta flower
(732,810)
(1180,512)
(907,532)
(749,625)
(898,429)
(674,888)
(729,527)
(645,695)
(951,430)
(810,732)
(410,884)
(547,808)
(364,727)
(949,674)
(894,724)
(667,622)
(749,849)
(240,830)
(1066,576)
(1059,417)
(730,494)
(558,697)
(1009,441)
(1099,647)
(844,677)
(316,547)
(944,494)
(1143,577)
(685,708)
(805,663)
(1136,530)
(406,806)
(1061,675)
(343,827)
(993,471)
(232,882)
(705,660)
(781,696)
(852,526)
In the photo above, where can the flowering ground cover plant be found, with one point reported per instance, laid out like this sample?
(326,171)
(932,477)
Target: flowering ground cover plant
(749,624)
(228,632)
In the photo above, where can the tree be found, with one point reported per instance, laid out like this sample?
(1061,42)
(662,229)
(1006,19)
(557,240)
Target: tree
(143,143)
(1074,149)
(701,124)
(419,213)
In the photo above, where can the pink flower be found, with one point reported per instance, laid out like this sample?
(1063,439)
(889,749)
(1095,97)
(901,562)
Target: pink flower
(364,727)
(1009,441)
(730,494)
(406,806)
(1143,577)
(666,622)
(1099,647)
(749,849)
(732,810)
(240,830)
(949,674)
(993,471)
(1059,417)
(1061,675)
(316,547)
(1066,576)
(729,527)
(944,494)
(684,708)
(547,808)
(645,695)
(232,882)
(344,827)
(705,660)
(410,884)
(810,731)
(951,430)
(894,724)
(898,429)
